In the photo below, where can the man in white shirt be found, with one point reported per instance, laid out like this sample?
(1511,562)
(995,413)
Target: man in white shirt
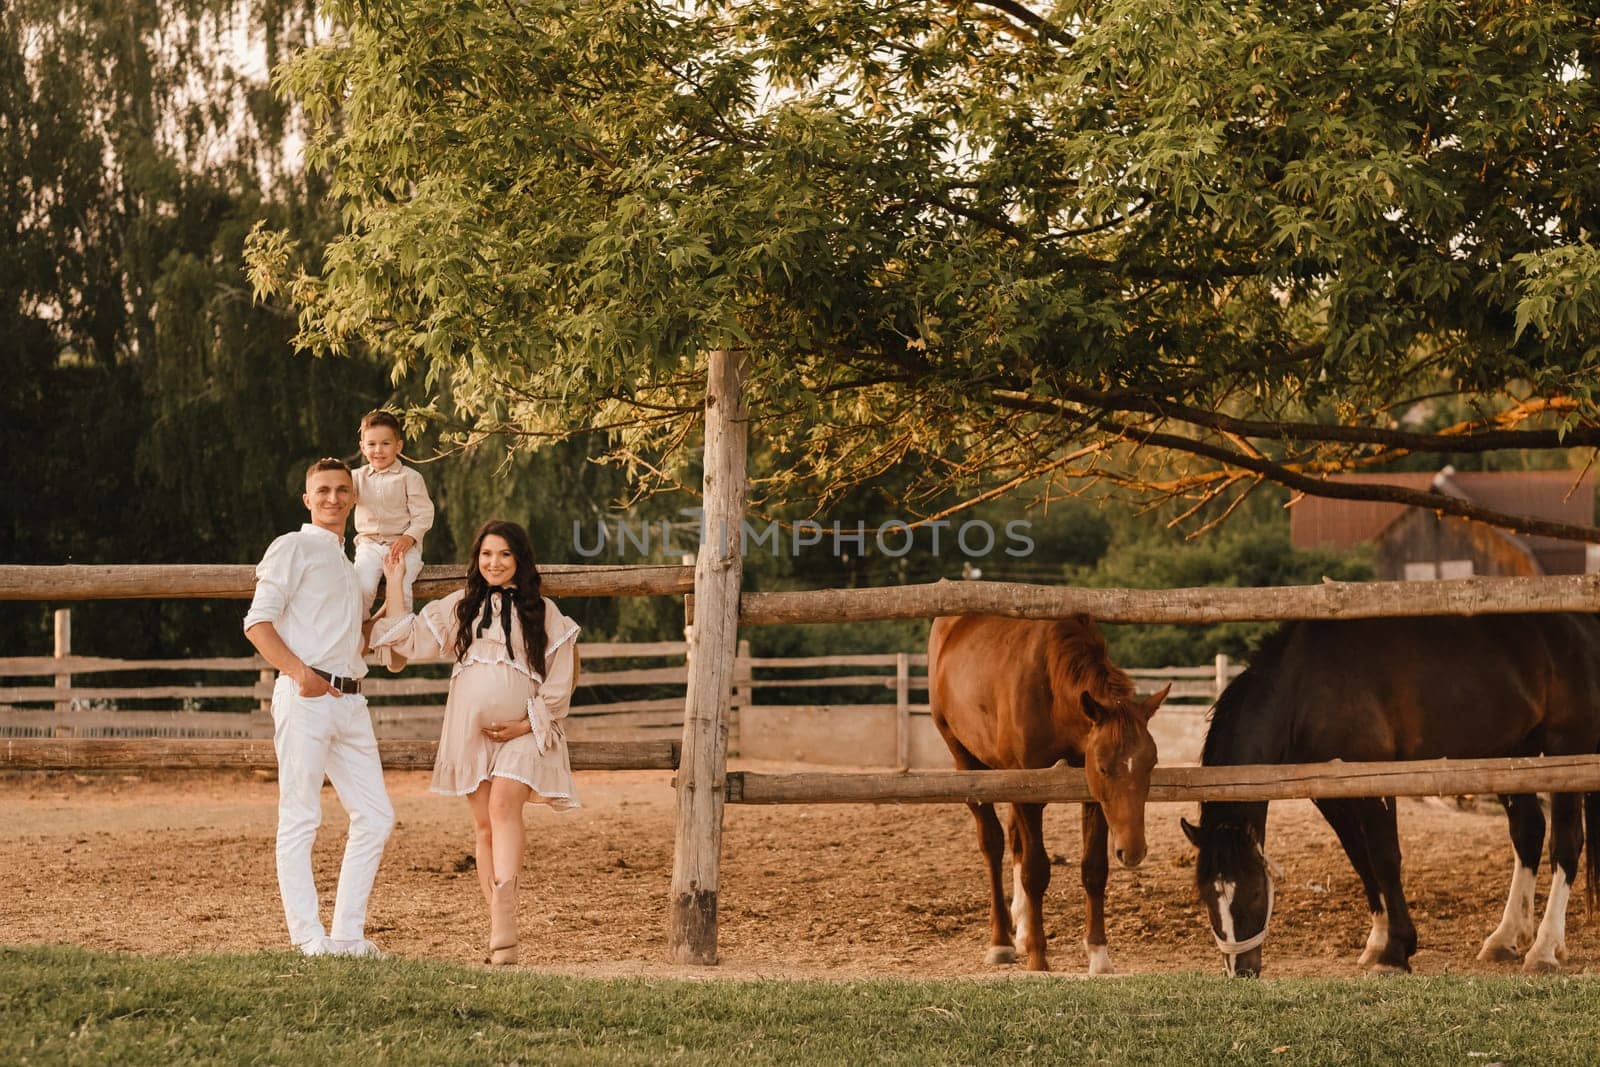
(305,620)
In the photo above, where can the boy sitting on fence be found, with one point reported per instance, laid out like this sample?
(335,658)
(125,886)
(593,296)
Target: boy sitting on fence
(392,508)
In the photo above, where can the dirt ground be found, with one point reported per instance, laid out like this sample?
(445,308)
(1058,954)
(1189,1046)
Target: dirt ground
(184,863)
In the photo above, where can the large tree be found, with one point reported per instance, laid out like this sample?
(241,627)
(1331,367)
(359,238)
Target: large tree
(1186,247)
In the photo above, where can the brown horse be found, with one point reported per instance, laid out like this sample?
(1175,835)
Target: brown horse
(1405,689)
(1020,693)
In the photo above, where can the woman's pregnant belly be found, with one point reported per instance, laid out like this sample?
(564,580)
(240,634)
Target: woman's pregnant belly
(491,692)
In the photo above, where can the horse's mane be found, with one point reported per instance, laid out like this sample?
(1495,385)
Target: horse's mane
(1227,716)
(1079,662)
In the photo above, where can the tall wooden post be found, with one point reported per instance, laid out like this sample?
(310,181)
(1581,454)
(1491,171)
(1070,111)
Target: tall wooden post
(63,651)
(713,641)
(1220,681)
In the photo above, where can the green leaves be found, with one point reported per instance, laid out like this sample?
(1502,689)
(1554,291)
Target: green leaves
(904,211)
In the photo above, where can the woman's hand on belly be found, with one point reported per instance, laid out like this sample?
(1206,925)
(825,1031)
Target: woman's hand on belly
(507,730)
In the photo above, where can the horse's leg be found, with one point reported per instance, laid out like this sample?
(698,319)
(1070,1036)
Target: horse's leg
(992,839)
(1033,876)
(1383,846)
(1566,847)
(1095,866)
(1345,816)
(1019,895)
(1525,820)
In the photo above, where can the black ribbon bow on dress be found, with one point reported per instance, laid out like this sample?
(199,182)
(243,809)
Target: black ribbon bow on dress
(508,600)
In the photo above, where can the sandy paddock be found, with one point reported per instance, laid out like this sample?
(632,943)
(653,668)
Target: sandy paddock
(183,863)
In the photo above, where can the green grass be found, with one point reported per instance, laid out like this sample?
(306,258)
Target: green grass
(61,1005)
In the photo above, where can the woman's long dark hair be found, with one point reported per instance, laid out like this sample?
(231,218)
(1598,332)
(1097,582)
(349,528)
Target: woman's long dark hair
(529,602)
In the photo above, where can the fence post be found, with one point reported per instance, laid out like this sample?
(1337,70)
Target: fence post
(64,650)
(713,646)
(742,690)
(902,710)
(1221,681)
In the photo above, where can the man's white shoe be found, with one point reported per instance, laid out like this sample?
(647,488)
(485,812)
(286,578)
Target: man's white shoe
(317,946)
(363,949)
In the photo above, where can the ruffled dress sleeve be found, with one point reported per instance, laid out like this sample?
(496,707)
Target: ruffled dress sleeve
(552,697)
(423,634)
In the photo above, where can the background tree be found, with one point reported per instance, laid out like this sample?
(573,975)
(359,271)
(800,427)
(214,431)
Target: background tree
(1184,248)
(151,411)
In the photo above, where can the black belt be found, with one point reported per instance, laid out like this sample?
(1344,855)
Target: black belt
(343,685)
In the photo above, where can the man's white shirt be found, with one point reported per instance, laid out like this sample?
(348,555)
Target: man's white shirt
(306,587)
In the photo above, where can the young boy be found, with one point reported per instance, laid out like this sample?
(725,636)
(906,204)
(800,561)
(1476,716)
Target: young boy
(392,508)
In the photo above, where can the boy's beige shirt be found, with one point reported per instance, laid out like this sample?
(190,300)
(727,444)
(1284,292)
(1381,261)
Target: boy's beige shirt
(390,503)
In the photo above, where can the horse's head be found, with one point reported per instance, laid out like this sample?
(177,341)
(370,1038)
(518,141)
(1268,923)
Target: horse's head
(1235,880)
(1118,756)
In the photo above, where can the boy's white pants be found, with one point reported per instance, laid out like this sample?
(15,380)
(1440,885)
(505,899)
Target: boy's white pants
(369,570)
(329,735)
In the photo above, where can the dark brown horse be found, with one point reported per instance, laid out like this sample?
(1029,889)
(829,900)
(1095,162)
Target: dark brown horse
(1019,693)
(1402,689)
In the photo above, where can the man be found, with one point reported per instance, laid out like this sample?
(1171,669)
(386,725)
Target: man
(305,620)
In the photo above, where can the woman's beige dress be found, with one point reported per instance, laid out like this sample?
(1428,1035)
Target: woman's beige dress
(492,685)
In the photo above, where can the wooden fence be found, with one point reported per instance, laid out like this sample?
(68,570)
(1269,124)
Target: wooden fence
(636,694)
(879,693)
(854,727)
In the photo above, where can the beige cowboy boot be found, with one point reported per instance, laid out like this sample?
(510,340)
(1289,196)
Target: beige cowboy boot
(503,923)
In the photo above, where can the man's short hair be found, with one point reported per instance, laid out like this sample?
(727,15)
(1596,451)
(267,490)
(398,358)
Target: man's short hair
(380,417)
(327,463)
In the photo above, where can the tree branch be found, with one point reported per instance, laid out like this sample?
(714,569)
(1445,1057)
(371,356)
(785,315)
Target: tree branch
(1035,22)
(1392,494)
(1462,437)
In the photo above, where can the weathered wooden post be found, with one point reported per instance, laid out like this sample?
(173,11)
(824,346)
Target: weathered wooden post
(63,651)
(713,641)
(1221,681)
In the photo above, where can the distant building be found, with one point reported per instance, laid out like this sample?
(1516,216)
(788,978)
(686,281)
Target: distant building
(1416,543)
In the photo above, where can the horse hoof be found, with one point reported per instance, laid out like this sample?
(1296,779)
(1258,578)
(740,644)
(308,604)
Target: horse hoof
(1534,966)
(1038,964)
(999,954)
(1389,968)
(1100,960)
(1498,954)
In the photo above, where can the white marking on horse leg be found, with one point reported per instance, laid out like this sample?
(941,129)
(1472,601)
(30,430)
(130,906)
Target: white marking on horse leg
(1516,925)
(1099,959)
(1224,892)
(1019,909)
(1378,937)
(1550,946)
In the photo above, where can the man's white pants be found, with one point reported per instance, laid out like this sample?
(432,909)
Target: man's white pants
(329,735)
(369,569)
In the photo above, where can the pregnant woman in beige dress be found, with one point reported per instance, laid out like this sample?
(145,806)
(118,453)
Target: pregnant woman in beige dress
(502,744)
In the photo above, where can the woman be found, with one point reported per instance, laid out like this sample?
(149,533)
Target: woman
(502,745)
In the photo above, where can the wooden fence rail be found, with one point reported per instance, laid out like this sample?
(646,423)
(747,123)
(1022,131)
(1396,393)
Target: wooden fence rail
(147,754)
(1330,600)
(237,581)
(1062,784)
